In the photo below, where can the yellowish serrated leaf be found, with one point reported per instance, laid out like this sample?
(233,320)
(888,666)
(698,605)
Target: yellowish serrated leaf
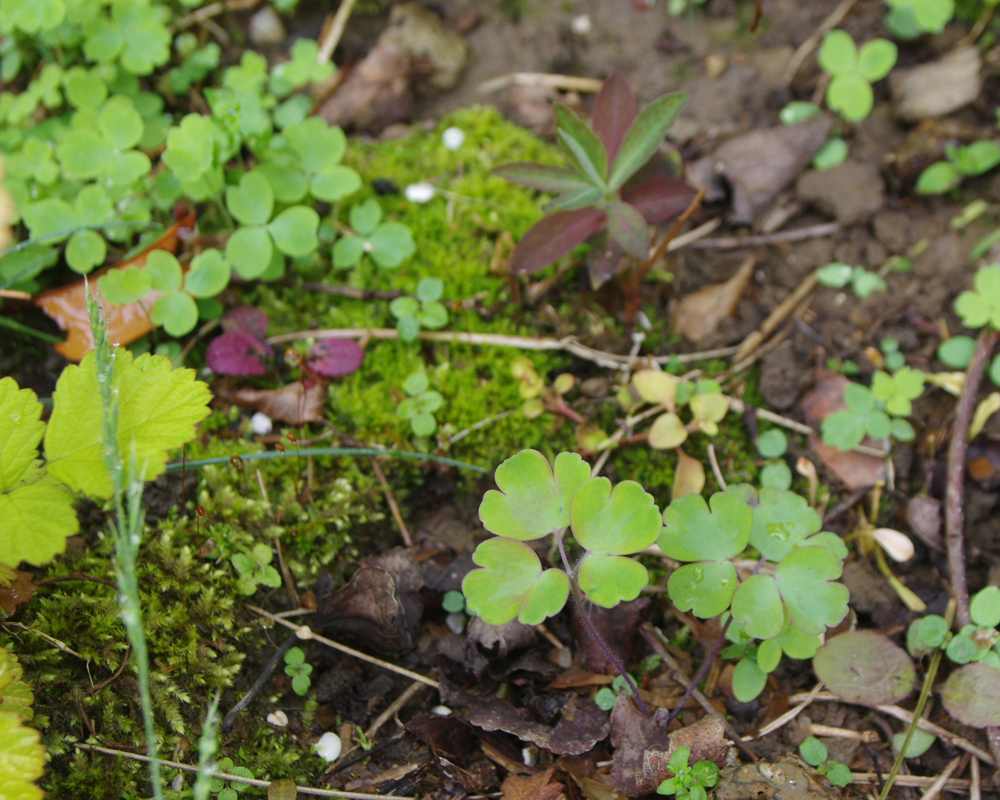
(21,430)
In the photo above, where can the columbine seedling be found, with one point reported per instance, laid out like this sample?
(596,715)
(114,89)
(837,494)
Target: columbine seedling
(254,567)
(689,782)
(388,244)
(908,19)
(814,753)
(607,697)
(421,404)
(852,72)
(980,641)
(982,306)
(877,412)
(616,189)
(225,789)
(837,275)
(422,311)
(961,163)
(776,474)
(298,669)
(705,400)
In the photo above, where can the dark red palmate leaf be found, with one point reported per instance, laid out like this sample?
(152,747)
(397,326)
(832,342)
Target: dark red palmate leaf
(615,109)
(335,357)
(238,353)
(245,319)
(553,236)
(660,198)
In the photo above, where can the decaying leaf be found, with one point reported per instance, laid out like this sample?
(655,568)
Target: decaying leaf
(689,476)
(865,667)
(788,779)
(380,607)
(67,305)
(500,640)
(18,589)
(698,315)
(534,787)
(855,470)
(924,516)
(296,403)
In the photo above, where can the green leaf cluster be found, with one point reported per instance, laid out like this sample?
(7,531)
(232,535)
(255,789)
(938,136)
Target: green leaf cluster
(299,671)
(908,19)
(23,757)
(814,753)
(158,408)
(536,499)
(981,306)
(704,398)
(863,282)
(689,782)
(388,244)
(775,474)
(422,311)
(877,412)
(960,163)
(225,789)
(254,568)
(420,405)
(853,71)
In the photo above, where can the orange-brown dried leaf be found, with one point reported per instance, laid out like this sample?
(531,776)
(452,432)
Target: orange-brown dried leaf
(698,315)
(67,305)
(689,476)
(535,787)
(296,403)
(19,590)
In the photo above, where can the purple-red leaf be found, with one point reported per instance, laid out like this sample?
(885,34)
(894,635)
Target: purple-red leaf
(238,353)
(628,228)
(660,198)
(245,319)
(603,259)
(335,357)
(615,110)
(553,236)
(557,180)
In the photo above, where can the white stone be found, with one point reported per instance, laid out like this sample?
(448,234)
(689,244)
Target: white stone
(453,138)
(261,424)
(329,746)
(441,711)
(278,719)
(266,27)
(581,25)
(419,192)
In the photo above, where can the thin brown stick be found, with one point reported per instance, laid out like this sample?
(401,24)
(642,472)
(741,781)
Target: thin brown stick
(869,737)
(794,235)
(715,467)
(942,779)
(652,635)
(332,37)
(675,229)
(871,779)
(781,312)
(974,782)
(810,44)
(739,407)
(391,500)
(233,778)
(15,294)
(206,13)
(568,83)
(121,668)
(397,705)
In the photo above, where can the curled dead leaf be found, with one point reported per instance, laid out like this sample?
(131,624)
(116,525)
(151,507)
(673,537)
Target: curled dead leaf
(296,403)
(698,315)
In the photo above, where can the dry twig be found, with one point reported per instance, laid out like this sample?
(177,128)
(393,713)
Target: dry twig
(810,44)
(332,36)
(567,83)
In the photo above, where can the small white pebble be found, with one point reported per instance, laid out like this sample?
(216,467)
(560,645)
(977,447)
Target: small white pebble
(529,756)
(581,25)
(329,746)
(278,719)
(261,423)
(419,192)
(455,622)
(441,711)
(453,138)
(178,782)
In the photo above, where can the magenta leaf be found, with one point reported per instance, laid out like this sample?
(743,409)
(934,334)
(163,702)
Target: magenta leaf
(335,357)
(245,319)
(660,198)
(238,353)
(615,109)
(553,236)
(628,228)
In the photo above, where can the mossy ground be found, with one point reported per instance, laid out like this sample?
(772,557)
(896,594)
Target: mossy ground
(201,640)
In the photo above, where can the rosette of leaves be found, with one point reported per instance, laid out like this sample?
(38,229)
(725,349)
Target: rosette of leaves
(981,306)
(705,400)
(388,244)
(305,160)
(689,781)
(853,71)
(877,412)
(257,248)
(420,405)
(197,64)
(100,143)
(960,163)
(302,68)
(536,499)
(134,34)
(908,19)
(758,659)
(225,789)
(422,311)
(615,186)
(863,282)
(85,248)
(242,349)
(193,153)
(299,671)
(814,753)
(254,569)
(979,641)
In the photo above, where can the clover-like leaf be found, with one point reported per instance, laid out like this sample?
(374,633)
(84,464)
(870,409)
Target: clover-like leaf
(294,231)
(252,201)
(391,244)
(513,584)
(783,521)
(984,608)
(534,499)
(209,274)
(656,386)
(694,533)
(757,605)
(898,390)
(982,306)
(838,54)
(177,312)
(748,680)
(813,601)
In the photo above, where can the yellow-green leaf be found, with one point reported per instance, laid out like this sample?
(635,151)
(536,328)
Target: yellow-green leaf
(35,519)
(21,430)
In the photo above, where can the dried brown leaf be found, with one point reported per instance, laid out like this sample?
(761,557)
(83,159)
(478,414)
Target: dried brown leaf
(698,315)
(296,403)
(688,477)
(19,590)
(535,787)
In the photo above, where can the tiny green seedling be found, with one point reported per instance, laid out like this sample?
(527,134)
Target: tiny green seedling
(814,753)
(908,19)
(894,359)
(960,163)
(705,400)
(421,404)
(979,641)
(772,445)
(852,72)
(422,311)
(388,244)
(298,669)
(830,155)
(877,412)
(607,697)
(225,789)
(863,282)
(254,568)
(689,782)
(981,306)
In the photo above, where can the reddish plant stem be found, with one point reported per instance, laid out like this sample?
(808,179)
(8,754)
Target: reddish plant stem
(609,654)
(955,494)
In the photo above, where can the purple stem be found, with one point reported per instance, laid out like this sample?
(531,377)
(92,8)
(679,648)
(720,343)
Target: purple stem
(609,654)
